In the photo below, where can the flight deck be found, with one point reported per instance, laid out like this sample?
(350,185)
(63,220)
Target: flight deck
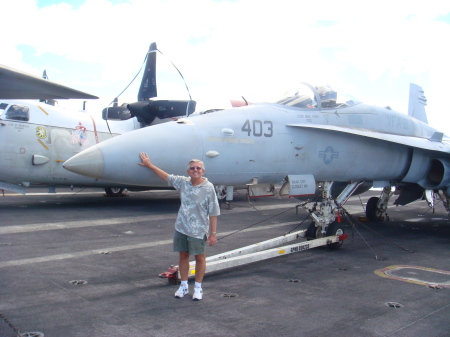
(76,263)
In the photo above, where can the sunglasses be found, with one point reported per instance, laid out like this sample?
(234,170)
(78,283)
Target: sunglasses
(192,168)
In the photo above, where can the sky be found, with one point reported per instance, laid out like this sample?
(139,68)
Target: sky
(231,48)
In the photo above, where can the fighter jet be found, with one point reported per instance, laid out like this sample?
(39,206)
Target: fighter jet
(316,142)
(36,137)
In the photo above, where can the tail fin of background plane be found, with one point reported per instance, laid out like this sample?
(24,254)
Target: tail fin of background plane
(47,101)
(417,103)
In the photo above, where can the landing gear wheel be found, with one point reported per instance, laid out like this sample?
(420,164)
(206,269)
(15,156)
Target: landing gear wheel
(313,232)
(335,228)
(114,191)
(372,212)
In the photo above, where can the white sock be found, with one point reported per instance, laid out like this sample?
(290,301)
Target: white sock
(198,285)
(184,284)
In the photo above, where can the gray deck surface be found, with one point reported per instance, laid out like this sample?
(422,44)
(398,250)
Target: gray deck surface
(120,245)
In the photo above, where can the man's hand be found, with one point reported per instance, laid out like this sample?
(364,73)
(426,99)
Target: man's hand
(212,240)
(145,159)
(147,163)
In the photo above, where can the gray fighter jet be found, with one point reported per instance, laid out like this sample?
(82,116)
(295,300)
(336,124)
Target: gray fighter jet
(316,142)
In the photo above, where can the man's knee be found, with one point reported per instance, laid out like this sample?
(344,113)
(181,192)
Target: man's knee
(184,255)
(200,258)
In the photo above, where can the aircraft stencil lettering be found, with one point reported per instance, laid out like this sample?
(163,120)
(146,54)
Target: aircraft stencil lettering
(258,128)
(299,184)
(398,122)
(300,248)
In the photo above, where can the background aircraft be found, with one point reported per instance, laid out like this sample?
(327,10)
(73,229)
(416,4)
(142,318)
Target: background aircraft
(316,141)
(36,137)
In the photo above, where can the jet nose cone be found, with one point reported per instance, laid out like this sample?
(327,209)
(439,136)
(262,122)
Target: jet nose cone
(89,163)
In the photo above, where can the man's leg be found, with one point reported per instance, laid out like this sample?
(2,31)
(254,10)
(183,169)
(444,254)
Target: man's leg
(200,267)
(180,245)
(183,265)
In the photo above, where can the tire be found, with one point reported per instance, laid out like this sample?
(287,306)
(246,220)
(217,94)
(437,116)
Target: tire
(313,232)
(372,212)
(114,191)
(335,228)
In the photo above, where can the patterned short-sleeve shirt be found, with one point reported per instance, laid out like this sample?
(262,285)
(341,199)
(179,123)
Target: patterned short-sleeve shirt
(198,203)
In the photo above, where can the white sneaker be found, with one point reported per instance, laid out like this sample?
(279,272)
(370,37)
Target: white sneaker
(198,294)
(181,292)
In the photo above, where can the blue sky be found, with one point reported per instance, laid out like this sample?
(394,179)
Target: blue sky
(226,49)
(44,3)
(74,3)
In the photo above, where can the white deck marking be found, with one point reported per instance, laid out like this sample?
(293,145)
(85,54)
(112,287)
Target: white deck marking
(59,257)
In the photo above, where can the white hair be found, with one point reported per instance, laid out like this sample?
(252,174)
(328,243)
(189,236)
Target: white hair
(196,161)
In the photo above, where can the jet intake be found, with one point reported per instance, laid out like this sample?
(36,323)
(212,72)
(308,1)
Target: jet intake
(438,175)
(429,173)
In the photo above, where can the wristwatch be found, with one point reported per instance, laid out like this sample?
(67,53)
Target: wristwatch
(212,233)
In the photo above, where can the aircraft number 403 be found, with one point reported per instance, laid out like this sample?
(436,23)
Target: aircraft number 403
(260,128)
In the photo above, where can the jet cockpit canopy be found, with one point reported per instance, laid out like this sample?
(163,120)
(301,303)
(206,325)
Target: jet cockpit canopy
(305,95)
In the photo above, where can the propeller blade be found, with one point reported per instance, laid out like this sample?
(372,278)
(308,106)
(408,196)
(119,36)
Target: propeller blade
(147,111)
(118,113)
(147,89)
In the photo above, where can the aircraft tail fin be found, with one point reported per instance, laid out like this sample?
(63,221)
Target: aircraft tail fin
(417,103)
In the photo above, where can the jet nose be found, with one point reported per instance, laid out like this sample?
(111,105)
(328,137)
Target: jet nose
(89,163)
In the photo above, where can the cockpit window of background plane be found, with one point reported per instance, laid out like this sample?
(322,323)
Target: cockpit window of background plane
(3,107)
(17,112)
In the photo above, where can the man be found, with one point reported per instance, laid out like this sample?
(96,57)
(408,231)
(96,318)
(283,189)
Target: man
(197,214)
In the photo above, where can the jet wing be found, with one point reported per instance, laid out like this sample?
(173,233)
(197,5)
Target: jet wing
(15,84)
(435,143)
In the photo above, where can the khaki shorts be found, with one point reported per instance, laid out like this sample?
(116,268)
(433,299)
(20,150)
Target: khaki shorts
(184,243)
